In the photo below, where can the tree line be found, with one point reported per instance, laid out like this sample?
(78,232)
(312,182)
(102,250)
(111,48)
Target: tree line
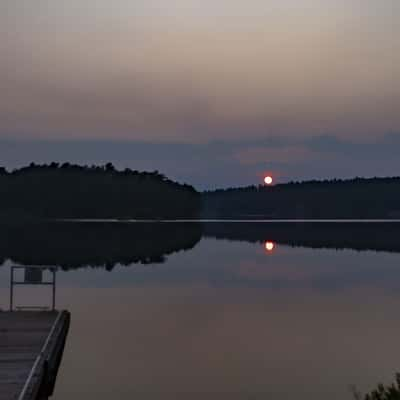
(73,191)
(358,198)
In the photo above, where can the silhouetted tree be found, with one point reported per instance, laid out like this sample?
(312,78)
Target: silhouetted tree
(74,191)
(382,392)
(355,198)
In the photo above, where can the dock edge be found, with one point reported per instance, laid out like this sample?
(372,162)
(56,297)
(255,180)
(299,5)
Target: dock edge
(42,377)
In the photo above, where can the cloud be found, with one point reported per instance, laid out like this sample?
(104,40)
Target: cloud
(256,155)
(198,73)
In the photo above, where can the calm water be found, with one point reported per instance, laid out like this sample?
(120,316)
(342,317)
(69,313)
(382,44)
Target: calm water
(218,311)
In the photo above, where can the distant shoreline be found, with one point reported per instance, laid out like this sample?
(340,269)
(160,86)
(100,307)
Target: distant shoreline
(104,194)
(12,221)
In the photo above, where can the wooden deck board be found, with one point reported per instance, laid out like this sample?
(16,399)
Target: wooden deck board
(22,336)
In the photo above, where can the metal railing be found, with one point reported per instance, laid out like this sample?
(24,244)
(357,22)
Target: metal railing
(33,275)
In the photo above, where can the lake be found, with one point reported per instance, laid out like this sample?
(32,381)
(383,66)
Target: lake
(217,310)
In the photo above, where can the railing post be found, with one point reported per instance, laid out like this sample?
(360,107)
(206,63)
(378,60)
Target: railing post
(11,287)
(54,290)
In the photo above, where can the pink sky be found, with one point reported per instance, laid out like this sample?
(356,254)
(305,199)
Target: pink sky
(195,72)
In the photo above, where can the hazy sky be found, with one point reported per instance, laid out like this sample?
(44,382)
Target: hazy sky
(213,92)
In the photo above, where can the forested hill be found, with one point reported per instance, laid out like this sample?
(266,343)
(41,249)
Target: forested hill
(73,191)
(348,199)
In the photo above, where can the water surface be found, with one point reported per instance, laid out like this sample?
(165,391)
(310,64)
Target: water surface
(194,311)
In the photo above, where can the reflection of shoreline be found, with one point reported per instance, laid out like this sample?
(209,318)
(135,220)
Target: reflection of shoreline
(104,245)
(378,236)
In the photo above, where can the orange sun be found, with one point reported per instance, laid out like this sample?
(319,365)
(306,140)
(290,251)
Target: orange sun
(268,180)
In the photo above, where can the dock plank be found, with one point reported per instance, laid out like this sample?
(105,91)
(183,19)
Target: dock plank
(22,337)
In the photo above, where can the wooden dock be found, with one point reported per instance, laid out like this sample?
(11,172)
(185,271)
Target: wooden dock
(31,348)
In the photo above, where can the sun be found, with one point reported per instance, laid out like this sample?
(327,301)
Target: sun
(269,246)
(268,180)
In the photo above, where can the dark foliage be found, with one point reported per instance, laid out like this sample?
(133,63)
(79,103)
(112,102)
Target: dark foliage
(357,198)
(71,245)
(72,191)
(382,392)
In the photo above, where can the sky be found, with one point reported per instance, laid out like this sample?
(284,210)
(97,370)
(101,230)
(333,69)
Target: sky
(215,93)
